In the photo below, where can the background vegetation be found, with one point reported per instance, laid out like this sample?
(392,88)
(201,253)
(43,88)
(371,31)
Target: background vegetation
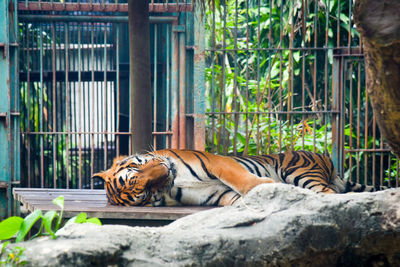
(270,74)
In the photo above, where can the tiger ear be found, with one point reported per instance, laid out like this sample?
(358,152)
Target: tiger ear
(101,175)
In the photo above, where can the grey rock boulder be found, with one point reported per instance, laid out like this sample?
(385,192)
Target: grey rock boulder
(274,225)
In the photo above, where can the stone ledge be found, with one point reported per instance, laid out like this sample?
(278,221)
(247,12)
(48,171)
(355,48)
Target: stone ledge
(274,225)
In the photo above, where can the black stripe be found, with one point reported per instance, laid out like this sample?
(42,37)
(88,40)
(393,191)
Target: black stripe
(296,180)
(308,182)
(201,153)
(251,162)
(210,175)
(244,163)
(187,166)
(121,181)
(178,195)
(220,196)
(130,198)
(314,185)
(208,199)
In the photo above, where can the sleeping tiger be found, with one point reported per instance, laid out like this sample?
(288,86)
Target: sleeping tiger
(172,177)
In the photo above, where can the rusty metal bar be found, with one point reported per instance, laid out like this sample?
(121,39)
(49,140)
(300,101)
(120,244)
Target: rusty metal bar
(175,87)
(96,7)
(182,90)
(212,88)
(53,60)
(235,84)
(351,120)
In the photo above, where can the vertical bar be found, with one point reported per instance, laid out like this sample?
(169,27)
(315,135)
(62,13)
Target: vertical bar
(175,88)
(80,104)
(67,100)
(53,59)
(140,84)
(41,109)
(351,122)
(358,122)
(222,148)
(106,116)
(118,89)
(366,136)
(182,93)
(28,96)
(270,64)
(373,147)
(280,77)
(92,145)
(213,55)
(168,86)
(234,100)
(199,78)
(258,137)
(336,96)
(155,88)
(246,118)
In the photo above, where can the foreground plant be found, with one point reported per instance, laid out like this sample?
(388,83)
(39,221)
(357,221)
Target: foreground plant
(18,228)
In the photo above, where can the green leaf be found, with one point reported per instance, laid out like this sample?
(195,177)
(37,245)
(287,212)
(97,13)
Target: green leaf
(94,221)
(9,227)
(59,201)
(3,248)
(81,217)
(27,224)
(48,222)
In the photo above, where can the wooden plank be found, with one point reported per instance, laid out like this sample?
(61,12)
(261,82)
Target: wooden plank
(66,197)
(52,191)
(94,203)
(119,212)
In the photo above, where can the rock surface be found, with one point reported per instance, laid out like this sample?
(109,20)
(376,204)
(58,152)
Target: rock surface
(274,225)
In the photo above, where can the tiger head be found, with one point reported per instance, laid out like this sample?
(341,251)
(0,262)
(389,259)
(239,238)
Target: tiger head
(138,180)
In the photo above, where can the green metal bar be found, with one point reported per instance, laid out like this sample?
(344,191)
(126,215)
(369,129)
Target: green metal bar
(9,107)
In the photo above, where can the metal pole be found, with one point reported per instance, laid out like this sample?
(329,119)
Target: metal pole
(139,68)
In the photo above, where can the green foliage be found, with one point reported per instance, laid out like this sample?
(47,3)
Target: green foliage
(270,60)
(20,227)
(12,256)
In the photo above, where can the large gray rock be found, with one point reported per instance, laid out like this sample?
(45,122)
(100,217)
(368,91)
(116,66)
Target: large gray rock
(274,225)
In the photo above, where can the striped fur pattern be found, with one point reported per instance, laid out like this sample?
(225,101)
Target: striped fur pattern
(187,177)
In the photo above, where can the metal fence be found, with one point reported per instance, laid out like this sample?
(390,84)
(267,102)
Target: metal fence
(285,75)
(74,86)
(279,75)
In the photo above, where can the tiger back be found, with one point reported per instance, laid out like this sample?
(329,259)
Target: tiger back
(172,177)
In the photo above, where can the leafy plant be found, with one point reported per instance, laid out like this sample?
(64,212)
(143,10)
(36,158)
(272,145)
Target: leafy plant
(269,61)
(20,227)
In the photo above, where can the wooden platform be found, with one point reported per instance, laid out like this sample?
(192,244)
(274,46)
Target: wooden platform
(94,203)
